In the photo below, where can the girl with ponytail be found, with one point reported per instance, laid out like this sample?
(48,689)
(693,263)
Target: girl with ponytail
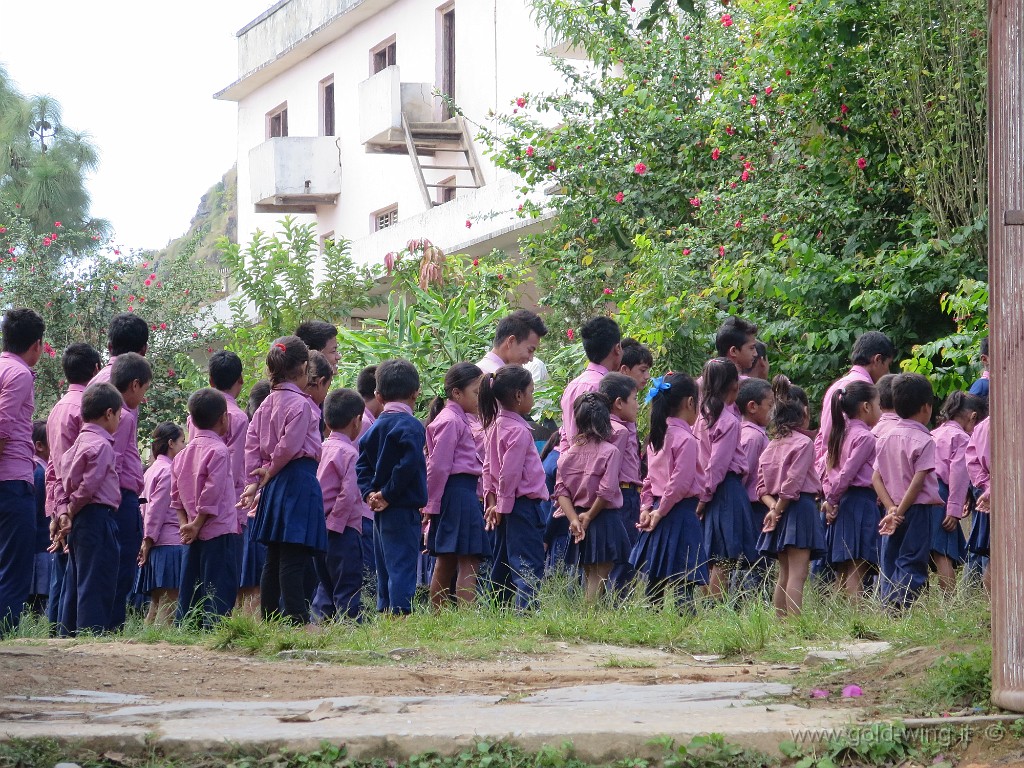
(960,414)
(670,550)
(788,485)
(851,505)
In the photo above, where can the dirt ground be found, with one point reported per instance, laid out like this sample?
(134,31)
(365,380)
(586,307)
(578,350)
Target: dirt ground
(51,668)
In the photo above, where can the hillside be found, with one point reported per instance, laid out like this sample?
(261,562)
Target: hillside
(216,216)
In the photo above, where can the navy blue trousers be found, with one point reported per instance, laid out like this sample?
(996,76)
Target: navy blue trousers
(396,546)
(17,549)
(623,574)
(519,553)
(128,519)
(905,557)
(341,576)
(209,577)
(90,582)
(366,544)
(58,567)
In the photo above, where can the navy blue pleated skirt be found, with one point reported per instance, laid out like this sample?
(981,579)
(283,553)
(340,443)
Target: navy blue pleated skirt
(459,527)
(951,544)
(254,557)
(800,528)
(291,509)
(631,516)
(978,543)
(854,534)
(728,523)
(674,550)
(606,540)
(162,569)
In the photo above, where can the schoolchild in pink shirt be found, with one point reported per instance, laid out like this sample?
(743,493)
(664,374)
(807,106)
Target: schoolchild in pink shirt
(588,493)
(162,552)
(724,508)
(39,590)
(454,513)
(959,416)
(89,476)
(978,462)
(514,485)
(908,488)
(80,363)
(788,484)
(670,550)
(754,402)
(622,390)
(851,505)
(340,568)
(637,361)
(282,451)
(203,496)
(888,417)
(736,341)
(22,345)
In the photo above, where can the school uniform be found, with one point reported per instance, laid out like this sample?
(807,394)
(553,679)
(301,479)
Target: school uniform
(201,484)
(980,387)
(40,587)
(340,568)
(369,564)
(753,441)
(886,422)
(729,533)
(625,439)
(454,468)
(978,456)
(128,516)
(856,373)
(62,428)
(787,471)
(160,525)
(951,441)
(674,550)
(854,533)
(490,363)
(391,461)
(588,472)
(284,438)
(17,488)
(513,473)
(89,475)
(907,449)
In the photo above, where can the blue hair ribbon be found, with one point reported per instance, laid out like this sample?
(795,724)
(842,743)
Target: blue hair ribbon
(658,385)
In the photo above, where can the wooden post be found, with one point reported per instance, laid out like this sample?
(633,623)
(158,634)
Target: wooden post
(1006,313)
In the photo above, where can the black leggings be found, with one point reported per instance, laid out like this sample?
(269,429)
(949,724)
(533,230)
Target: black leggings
(282,585)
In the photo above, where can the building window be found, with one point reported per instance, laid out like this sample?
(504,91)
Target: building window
(277,122)
(325,240)
(385,218)
(446,56)
(383,55)
(446,191)
(327,107)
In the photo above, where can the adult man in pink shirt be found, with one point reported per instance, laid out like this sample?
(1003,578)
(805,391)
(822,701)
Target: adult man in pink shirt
(22,345)
(515,341)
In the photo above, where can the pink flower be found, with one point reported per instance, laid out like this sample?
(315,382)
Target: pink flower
(501,277)
(476,262)
(529,151)
(56,223)
(718,76)
(608,291)
(852,692)
(862,163)
(170,372)
(163,326)
(732,185)
(570,334)
(520,102)
(640,168)
(117,252)
(552,167)
(721,250)
(145,265)
(594,220)
(716,153)
(695,202)
(745,175)
(48,349)
(148,283)
(389,261)
(412,245)
(152,277)
(686,37)
(730,130)
(115,287)
(468,223)
(2,230)
(619,197)
(686,251)
(843,109)
(726,20)
(753,101)
(11,249)
(738,224)
(195,335)
(818,693)
(768,91)
(792,7)
(788,73)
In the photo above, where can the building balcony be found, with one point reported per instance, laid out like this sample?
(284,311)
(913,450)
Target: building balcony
(383,102)
(295,174)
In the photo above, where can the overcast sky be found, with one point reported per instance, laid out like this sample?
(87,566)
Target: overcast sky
(140,78)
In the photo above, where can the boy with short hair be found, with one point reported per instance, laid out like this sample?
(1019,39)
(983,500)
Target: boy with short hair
(760,367)
(340,569)
(754,402)
(736,341)
(22,331)
(321,337)
(889,419)
(905,481)
(89,479)
(392,473)
(637,361)
(621,390)
(203,494)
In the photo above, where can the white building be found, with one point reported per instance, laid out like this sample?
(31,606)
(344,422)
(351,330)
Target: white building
(337,119)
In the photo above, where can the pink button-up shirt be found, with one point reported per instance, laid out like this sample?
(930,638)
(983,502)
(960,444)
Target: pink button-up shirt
(625,439)
(951,441)
(368,419)
(17,401)
(588,381)
(238,426)
(87,470)
(885,424)
(201,484)
(343,505)
(126,440)
(905,451)
(720,451)
(490,362)
(753,441)
(856,373)
(512,465)
(159,521)
(590,471)
(979,456)
(787,468)
(856,462)
(62,428)
(286,427)
(673,473)
(451,450)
